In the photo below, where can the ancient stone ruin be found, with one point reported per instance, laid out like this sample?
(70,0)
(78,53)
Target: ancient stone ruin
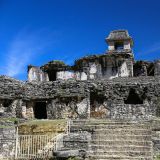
(112,86)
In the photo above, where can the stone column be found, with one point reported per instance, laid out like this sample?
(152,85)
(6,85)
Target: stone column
(30,109)
(52,109)
(2,109)
(49,108)
(24,110)
(14,108)
(157,68)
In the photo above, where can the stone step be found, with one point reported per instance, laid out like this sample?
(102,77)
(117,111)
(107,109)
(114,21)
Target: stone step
(124,132)
(121,137)
(121,153)
(120,148)
(122,143)
(116,130)
(99,122)
(102,157)
(116,140)
(93,127)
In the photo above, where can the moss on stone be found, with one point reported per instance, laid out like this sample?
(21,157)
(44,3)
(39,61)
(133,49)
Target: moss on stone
(3,126)
(157,158)
(43,127)
(10,119)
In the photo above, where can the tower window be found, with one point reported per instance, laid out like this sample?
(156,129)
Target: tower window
(119,46)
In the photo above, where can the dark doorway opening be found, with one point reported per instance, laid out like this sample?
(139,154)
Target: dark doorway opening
(40,111)
(52,75)
(133,98)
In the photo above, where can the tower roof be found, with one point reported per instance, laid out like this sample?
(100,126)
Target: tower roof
(118,35)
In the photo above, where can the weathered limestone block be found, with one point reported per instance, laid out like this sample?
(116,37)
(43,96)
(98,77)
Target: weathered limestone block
(24,110)
(36,74)
(14,108)
(83,76)
(77,140)
(2,109)
(124,72)
(7,143)
(18,104)
(157,68)
(83,108)
(66,108)
(29,110)
(132,112)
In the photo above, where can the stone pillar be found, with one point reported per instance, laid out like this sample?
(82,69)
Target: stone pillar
(24,110)
(89,108)
(14,108)
(49,108)
(157,68)
(2,109)
(83,108)
(52,109)
(129,63)
(19,106)
(30,109)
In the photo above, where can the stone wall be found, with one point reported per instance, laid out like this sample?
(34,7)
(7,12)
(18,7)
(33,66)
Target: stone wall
(68,107)
(7,142)
(77,140)
(132,112)
(156,136)
(106,66)
(73,98)
(36,74)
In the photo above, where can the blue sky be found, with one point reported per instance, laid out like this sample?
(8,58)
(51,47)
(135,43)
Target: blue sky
(37,31)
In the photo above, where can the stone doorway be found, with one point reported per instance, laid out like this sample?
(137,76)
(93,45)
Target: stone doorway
(97,108)
(40,111)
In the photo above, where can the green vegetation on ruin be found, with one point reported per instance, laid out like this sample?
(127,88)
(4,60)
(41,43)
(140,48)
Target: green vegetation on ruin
(3,126)
(157,158)
(9,119)
(43,127)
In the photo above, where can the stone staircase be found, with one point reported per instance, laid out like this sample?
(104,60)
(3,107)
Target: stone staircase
(113,140)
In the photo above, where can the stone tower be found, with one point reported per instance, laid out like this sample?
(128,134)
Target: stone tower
(119,41)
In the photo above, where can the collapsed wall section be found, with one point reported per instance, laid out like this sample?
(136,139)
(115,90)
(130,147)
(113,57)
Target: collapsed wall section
(107,66)
(36,74)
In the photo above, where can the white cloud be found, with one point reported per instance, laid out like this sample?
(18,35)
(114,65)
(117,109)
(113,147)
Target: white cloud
(25,47)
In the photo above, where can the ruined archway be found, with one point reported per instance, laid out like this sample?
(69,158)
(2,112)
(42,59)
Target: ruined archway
(133,98)
(97,108)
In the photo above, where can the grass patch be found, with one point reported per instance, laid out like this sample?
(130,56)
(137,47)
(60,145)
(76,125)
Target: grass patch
(44,122)
(2,126)
(157,158)
(10,119)
(43,127)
